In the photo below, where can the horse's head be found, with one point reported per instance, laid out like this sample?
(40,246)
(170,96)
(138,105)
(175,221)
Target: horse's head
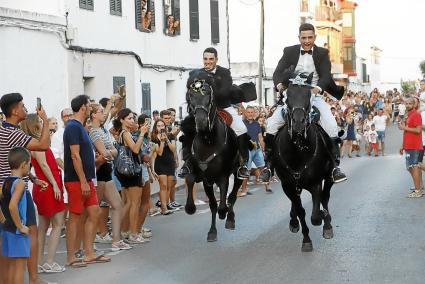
(199,95)
(298,105)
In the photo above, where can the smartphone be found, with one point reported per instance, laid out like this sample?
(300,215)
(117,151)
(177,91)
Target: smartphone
(38,103)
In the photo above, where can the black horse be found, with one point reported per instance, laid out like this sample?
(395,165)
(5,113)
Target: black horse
(302,160)
(214,150)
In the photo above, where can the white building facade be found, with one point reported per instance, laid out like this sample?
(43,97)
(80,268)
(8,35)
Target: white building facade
(57,49)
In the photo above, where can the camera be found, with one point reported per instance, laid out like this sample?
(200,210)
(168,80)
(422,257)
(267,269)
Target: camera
(162,131)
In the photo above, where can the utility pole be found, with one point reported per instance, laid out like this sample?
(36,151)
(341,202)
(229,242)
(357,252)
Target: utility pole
(261,57)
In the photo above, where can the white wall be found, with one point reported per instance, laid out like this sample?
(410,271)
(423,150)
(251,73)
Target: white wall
(35,65)
(50,7)
(100,29)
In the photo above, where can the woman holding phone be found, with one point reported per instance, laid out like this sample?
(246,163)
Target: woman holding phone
(106,190)
(163,161)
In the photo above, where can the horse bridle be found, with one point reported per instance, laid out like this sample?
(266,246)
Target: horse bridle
(199,87)
(290,117)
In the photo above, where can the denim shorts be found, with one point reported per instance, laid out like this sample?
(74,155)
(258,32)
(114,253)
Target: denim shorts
(381,135)
(412,158)
(256,156)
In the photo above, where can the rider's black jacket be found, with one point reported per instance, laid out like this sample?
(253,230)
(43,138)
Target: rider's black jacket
(290,57)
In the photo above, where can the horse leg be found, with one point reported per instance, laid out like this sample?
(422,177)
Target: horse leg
(327,227)
(294,224)
(316,216)
(307,245)
(223,185)
(190,207)
(230,221)
(209,190)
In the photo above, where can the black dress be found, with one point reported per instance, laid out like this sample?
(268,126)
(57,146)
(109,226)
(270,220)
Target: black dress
(165,164)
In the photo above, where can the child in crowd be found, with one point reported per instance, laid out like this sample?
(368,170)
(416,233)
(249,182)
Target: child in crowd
(373,135)
(356,143)
(366,130)
(16,242)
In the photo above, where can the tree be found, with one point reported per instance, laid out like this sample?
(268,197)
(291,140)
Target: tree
(408,86)
(422,67)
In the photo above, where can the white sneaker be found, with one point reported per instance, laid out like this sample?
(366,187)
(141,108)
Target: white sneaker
(54,268)
(120,245)
(136,240)
(146,234)
(107,239)
(125,235)
(199,202)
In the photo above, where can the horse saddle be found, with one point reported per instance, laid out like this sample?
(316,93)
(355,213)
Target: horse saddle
(225,116)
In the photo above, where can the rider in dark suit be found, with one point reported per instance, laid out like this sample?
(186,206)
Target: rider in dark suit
(307,58)
(223,97)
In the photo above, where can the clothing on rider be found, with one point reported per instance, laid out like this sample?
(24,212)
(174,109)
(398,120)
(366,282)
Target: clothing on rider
(223,84)
(308,58)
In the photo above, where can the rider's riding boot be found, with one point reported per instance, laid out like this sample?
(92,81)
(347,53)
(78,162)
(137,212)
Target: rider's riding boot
(337,174)
(185,170)
(266,174)
(243,142)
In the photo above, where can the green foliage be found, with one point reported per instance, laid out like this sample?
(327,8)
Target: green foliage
(422,67)
(408,86)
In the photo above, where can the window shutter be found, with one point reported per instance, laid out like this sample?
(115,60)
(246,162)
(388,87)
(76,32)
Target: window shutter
(86,4)
(115,7)
(215,26)
(90,5)
(118,6)
(176,13)
(138,12)
(146,99)
(151,5)
(194,19)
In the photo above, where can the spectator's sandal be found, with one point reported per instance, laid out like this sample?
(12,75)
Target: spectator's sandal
(98,259)
(77,263)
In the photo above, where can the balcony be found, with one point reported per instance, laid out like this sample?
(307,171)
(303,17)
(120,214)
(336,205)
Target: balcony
(324,13)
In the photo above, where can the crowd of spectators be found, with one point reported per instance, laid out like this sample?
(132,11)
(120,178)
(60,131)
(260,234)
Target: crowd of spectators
(75,183)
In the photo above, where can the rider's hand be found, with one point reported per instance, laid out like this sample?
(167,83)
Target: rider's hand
(280,88)
(315,90)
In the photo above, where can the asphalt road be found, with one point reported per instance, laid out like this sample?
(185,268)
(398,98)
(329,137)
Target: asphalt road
(378,237)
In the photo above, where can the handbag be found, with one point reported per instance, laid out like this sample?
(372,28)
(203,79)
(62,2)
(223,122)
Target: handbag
(126,164)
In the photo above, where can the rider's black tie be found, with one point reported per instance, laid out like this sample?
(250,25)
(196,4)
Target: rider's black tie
(306,51)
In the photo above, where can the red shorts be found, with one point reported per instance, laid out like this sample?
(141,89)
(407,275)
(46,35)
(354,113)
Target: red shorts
(77,202)
(374,146)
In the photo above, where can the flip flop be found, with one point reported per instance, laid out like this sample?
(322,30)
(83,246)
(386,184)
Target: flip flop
(99,259)
(78,263)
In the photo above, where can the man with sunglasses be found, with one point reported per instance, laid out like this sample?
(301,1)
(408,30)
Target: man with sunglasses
(223,99)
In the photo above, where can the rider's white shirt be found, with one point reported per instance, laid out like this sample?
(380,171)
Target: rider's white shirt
(306,65)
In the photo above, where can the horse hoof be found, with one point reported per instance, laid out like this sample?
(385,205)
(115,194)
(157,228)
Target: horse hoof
(212,237)
(222,215)
(294,229)
(230,225)
(316,222)
(307,247)
(190,209)
(328,233)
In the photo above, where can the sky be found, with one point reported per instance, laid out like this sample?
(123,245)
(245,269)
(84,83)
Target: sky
(396,27)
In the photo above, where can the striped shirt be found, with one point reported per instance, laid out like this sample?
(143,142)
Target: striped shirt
(10,137)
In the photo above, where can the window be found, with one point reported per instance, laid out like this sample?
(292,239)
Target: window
(146,99)
(215,25)
(172,17)
(145,15)
(115,7)
(348,53)
(116,83)
(87,4)
(194,19)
